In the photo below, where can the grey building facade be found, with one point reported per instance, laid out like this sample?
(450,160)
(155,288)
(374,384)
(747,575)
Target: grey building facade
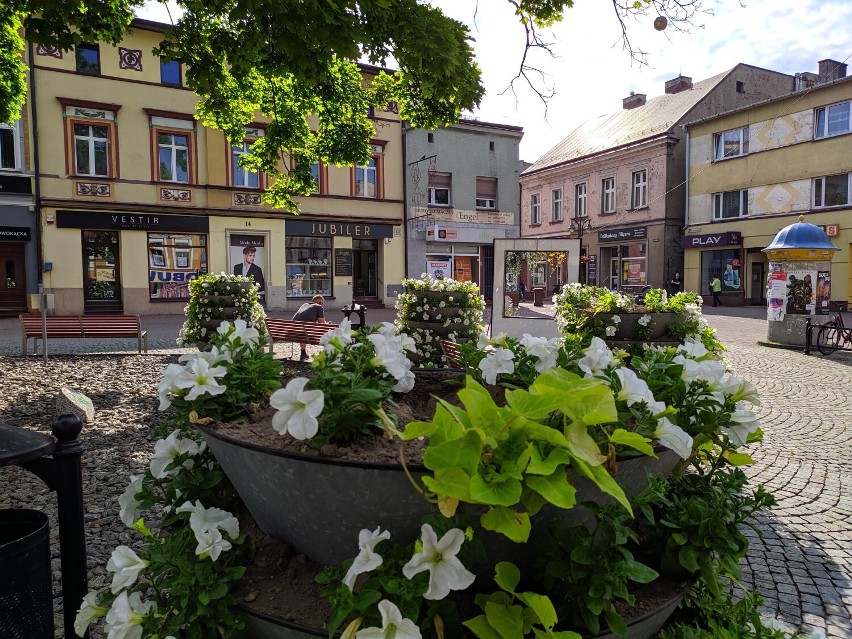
(461,192)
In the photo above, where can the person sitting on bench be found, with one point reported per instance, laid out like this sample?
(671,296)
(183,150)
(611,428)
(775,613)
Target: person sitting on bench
(310,312)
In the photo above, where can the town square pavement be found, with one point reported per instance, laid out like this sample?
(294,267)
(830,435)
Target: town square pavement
(802,563)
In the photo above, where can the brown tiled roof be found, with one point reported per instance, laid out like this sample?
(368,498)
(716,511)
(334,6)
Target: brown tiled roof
(655,117)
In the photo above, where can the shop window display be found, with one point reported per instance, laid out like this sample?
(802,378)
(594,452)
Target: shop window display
(308,266)
(174,259)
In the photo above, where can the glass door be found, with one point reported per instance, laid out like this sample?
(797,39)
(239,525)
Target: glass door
(366,267)
(101,281)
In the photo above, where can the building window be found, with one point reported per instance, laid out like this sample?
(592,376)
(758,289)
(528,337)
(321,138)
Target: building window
(730,204)
(10,153)
(367,179)
(725,265)
(440,185)
(88,57)
(173,157)
(535,208)
(740,87)
(486,193)
(556,205)
(308,266)
(316,173)
(832,120)
(91,150)
(639,192)
(170,72)
(730,144)
(430,138)
(174,259)
(243,177)
(580,200)
(608,195)
(832,190)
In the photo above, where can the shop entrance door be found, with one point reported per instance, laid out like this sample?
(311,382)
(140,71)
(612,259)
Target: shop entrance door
(13,283)
(101,278)
(613,274)
(365,256)
(758,283)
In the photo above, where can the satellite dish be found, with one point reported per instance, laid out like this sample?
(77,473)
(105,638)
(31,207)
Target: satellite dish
(660,23)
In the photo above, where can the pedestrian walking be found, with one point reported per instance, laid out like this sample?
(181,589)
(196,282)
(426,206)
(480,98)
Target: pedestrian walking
(522,290)
(715,289)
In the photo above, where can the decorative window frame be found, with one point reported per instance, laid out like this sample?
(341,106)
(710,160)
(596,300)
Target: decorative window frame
(581,199)
(821,130)
(556,212)
(252,134)
(818,198)
(638,189)
(91,114)
(718,201)
(172,123)
(180,74)
(741,137)
(378,154)
(97,47)
(17,147)
(608,195)
(535,209)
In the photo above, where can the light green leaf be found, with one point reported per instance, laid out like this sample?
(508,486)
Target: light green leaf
(604,481)
(616,623)
(507,576)
(554,460)
(481,628)
(542,607)
(739,459)
(464,453)
(508,620)
(512,524)
(538,432)
(452,482)
(497,493)
(413,430)
(587,400)
(481,409)
(633,440)
(555,489)
(582,445)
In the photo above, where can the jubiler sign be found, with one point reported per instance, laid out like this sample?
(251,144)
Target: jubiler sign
(728,238)
(345,229)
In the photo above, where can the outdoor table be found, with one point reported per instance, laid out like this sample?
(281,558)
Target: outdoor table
(62,473)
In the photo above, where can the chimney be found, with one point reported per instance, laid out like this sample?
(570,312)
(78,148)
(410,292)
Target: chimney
(805,80)
(634,100)
(678,84)
(830,70)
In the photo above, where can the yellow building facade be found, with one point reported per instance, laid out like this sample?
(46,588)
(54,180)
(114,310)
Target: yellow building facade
(136,197)
(754,171)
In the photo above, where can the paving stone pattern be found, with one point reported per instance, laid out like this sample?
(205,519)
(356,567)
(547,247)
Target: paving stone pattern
(802,564)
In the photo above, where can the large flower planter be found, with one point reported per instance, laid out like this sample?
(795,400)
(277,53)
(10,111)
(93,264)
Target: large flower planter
(651,622)
(628,327)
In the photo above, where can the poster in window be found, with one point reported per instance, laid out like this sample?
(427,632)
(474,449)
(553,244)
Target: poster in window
(731,277)
(439,269)
(247,255)
(823,292)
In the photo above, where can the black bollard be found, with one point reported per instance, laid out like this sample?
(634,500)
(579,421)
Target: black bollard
(72,534)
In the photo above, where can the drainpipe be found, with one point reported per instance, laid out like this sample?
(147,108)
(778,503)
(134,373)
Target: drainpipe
(686,189)
(36,167)
(405,197)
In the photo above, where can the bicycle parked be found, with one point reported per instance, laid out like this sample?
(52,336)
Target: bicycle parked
(833,335)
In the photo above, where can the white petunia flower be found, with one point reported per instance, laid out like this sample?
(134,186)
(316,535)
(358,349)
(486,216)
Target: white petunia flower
(338,337)
(406,384)
(446,572)
(693,348)
(212,357)
(616,320)
(596,357)
(368,559)
(390,355)
(297,409)
(740,390)
(89,611)
(124,619)
(744,423)
(611,330)
(674,438)
(211,544)
(644,320)
(201,379)
(242,331)
(500,360)
(203,520)
(483,342)
(633,389)
(166,450)
(129,511)
(125,566)
(168,383)
(394,625)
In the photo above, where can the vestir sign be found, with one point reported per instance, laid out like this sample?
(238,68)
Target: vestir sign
(727,238)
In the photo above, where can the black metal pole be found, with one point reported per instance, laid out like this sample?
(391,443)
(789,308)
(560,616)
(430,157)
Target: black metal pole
(67,457)
(808,331)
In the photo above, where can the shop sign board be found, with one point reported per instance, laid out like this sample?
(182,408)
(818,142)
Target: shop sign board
(343,261)
(311,228)
(461,216)
(131,221)
(623,235)
(592,270)
(727,238)
(14,234)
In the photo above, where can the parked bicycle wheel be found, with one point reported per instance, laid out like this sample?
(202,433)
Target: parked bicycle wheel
(829,338)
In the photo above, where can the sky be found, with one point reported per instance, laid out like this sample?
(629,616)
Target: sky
(591,72)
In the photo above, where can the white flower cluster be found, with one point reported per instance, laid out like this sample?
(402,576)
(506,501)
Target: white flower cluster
(500,358)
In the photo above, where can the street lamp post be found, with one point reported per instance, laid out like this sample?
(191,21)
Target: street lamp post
(580,224)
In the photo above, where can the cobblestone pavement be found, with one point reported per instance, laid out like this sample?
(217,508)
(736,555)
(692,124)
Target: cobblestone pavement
(802,564)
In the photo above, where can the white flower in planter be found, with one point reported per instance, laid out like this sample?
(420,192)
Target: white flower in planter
(201,379)
(394,625)
(693,348)
(89,611)
(203,520)
(246,334)
(165,451)
(610,331)
(404,384)
(739,389)
(644,320)
(168,383)
(212,357)
(500,360)
(368,559)
(446,572)
(211,544)
(297,409)
(342,336)
(633,389)
(616,320)
(126,566)
(744,423)
(124,619)
(129,511)
(674,438)
(597,357)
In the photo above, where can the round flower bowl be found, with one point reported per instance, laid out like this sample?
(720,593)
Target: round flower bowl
(647,625)
(318,505)
(263,626)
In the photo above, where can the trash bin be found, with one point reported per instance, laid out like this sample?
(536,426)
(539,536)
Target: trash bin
(360,310)
(538,297)
(26,600)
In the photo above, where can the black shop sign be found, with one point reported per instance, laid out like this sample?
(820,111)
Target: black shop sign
(338,229)
(14,234)
(131,221)
(623,235)
(343,261)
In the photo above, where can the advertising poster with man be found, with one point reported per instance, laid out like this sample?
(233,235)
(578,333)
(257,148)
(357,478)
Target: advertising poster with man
(439,269)
(248,258)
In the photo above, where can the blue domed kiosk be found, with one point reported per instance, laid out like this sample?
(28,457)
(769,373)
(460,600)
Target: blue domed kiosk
(799,285)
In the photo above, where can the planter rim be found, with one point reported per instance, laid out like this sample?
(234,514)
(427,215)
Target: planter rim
(678,595)
(278,621)
(332,461)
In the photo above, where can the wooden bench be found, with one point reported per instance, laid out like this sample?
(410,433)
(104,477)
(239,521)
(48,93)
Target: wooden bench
(83,326)
(452,353)
(284,330)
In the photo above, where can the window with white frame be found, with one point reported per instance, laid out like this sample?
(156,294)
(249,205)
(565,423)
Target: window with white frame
(173,154)
(366,179)
(486,193)
(730,144)
(580,191)
(440,185)
(241,176)
(535,208)
(556,205)
(10,148)
(639,191)
(91,150)
(833,119)
(730,204)
(832,190)
(608,195)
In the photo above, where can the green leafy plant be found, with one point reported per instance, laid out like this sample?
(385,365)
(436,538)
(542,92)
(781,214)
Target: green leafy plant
(214,297)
